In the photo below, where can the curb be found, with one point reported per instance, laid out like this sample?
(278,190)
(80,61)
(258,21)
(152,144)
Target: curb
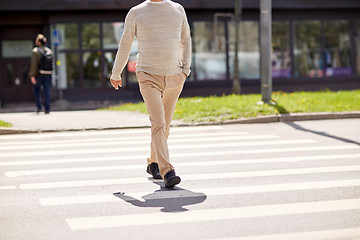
(262,119)
(4,131)
(292,117)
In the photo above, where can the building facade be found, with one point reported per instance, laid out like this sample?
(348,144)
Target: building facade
(315,45)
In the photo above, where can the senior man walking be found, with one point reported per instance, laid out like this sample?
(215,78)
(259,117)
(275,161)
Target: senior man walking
(162,66)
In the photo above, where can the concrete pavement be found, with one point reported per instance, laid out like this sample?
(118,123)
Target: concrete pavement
(293,180)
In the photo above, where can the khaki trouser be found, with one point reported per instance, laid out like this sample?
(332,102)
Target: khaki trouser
(160,94)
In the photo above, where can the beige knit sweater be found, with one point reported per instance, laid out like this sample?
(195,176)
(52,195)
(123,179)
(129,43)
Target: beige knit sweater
(163,35)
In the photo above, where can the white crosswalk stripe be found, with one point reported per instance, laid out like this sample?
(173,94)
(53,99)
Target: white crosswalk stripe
(146,148)
(7,187)
(133,139)
(201,176)
(101,142)
(207,191)
(125,132)
(181,155)
(99,178)
(212,214)
(187,164)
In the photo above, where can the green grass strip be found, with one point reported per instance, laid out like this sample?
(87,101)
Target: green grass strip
(5,124)
(219,108)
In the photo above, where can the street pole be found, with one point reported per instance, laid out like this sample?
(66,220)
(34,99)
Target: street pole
(236,81)
(266,40)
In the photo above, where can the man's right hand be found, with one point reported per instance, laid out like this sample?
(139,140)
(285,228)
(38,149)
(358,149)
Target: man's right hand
(116,83)
(33,80)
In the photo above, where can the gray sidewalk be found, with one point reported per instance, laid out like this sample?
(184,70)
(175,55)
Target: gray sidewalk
(68,116)
(75,120)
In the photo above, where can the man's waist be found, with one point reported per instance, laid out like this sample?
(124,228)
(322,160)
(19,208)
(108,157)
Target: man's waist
(46,72)
(160,71)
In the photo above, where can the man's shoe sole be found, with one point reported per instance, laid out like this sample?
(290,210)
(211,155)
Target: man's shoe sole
(175,180)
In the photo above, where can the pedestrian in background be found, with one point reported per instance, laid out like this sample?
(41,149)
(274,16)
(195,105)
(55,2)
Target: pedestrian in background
(41,67)
(162,66)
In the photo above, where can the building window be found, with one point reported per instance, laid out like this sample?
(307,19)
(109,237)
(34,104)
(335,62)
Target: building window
(209,56)
(249,51)
(337,47)
(80,63)
(69,38)
(307,49)
(16,48)
(109,61)
(112,33)
(281,58)
(68,70)
(322,49)
(90,34)
(91,69)
(357,45)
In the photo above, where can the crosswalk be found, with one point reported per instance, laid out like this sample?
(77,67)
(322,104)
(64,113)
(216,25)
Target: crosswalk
(236,184)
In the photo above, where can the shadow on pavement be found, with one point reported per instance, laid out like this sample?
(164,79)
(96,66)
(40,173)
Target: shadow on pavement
(170,200)
(298,127)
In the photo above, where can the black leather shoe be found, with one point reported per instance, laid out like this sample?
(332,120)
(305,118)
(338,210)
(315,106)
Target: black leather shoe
(153,169)
(171,179)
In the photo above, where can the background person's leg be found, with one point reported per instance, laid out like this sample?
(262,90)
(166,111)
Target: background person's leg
(47,91)
(37,94)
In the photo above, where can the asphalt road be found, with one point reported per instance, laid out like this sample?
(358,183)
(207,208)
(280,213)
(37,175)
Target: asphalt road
(297,180)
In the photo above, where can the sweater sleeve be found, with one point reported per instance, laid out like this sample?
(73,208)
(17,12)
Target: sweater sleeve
(34,63)
(186,46)
(124,49)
